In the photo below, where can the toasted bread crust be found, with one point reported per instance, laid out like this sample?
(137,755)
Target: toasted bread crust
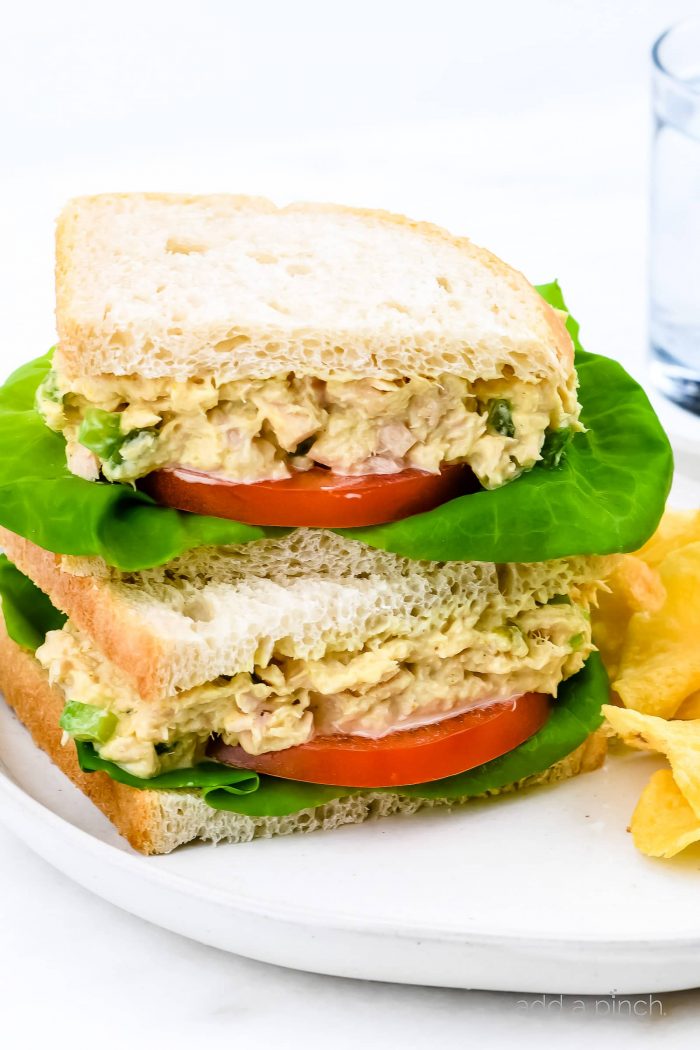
(159,821)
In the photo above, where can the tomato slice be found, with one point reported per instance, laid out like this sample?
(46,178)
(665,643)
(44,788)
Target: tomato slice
(315,497)
(413,756)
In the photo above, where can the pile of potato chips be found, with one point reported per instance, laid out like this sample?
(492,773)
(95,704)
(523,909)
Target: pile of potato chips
(648,632)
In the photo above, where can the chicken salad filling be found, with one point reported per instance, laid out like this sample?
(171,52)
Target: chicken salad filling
(389,686)
(266,429)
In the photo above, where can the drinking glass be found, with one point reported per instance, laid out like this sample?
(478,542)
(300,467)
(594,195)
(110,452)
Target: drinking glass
(675,215)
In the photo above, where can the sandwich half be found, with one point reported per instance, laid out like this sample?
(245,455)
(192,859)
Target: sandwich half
(207,345)
(304,518)
(290,658)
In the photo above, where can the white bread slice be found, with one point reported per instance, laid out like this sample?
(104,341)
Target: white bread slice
(159,821)
(211,611)
(184,286)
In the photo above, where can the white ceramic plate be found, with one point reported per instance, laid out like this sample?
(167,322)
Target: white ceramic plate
(539,891)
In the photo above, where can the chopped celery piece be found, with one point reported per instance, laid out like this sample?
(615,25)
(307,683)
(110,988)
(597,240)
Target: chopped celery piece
(100,431)
(87,722)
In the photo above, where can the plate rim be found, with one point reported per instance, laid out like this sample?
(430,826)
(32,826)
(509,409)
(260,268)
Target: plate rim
(137,867)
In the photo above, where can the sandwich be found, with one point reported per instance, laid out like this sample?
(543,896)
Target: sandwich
(319,348)
(304,517)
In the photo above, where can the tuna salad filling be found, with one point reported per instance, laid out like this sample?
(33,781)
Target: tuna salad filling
(266,429)
(388,686)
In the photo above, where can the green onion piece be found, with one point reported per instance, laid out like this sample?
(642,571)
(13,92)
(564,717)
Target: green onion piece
(554,447)
(500,417)
(100,431)
(87,722)
(576,641)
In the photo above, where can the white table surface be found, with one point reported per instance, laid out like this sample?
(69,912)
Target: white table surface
(523,125)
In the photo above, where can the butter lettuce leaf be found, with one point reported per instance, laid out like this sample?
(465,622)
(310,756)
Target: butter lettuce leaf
(222,787)
(27,611)
(205,776)
(605,495)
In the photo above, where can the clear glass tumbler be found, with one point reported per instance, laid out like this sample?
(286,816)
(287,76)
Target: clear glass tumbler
(675,215)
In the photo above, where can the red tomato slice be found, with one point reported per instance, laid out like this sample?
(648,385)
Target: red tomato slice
(314,497)
(413,756)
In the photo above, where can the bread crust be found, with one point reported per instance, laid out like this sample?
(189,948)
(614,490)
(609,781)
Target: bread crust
(159,821)
(25,685)
(83,344)
(91,604)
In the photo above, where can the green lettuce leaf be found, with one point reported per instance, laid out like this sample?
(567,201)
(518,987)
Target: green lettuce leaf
(575,714)
(206,776)
(606,494)
(27,611)
(222,787)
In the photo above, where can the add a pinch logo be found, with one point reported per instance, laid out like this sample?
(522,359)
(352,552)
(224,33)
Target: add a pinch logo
(640,1006)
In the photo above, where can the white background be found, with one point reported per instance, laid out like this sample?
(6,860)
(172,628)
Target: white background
(524,125)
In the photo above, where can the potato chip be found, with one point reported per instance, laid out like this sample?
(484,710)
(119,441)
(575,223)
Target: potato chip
(679,741)
(647,630)
(678,528)
(690,708)
(660,660)
(633,587)
(663,823)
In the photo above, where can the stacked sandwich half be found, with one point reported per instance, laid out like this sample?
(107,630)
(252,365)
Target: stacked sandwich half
(304,517)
